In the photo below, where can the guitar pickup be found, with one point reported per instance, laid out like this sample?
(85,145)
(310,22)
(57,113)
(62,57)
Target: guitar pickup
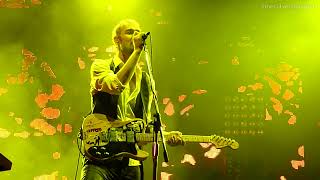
(116,136)
(130,136)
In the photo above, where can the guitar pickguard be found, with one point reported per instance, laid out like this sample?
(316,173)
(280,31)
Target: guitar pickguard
(104,140)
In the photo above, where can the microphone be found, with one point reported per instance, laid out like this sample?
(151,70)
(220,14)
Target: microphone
(145,36)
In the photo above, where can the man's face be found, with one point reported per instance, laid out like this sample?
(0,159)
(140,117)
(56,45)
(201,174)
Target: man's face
(126,35)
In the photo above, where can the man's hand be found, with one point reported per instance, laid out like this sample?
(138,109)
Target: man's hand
(137,41)
(174,138)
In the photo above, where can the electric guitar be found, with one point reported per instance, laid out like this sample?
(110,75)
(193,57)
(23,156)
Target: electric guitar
(100,136)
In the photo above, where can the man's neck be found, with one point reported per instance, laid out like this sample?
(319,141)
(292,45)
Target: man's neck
(123,56)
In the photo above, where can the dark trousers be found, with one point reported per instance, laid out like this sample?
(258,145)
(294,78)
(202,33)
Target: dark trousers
(112,171)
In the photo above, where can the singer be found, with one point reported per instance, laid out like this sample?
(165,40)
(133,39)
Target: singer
(120,92)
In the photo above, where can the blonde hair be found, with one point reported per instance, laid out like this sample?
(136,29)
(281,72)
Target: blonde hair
(118,28)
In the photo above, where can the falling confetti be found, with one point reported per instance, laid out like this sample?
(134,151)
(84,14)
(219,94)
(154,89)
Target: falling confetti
(277,106)
(43,126)
(52,176)
(165,176)
(282,178)
(292,120)
(4,133)
(22,77)
(3,91)
(36,2)
(205,145)
(182,97)
(93,49)
(235,61)
(242,89)
(296,106)
(288,94)
(165,100)
(45,66)
(18,120)
(56,155)
(186,109)
(11,79)
(275,87)
(15,4)
(110,49)
(285,76)
(297,164)
(203,62)
(268,116)
(31,80)
(256,86)
(212,153)
(19,4)
(57,92)
(164,164)
(188,159)
(199,91)
(28,60)
(11,114)
(301,151)
(288,112)
(59,127)
(37,134)
(50,113)
(169,109)
(67,128)
(23,134)
(91,55)
(81,63)
(42,100)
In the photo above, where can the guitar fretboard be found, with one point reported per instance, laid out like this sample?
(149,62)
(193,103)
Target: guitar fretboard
(218,141)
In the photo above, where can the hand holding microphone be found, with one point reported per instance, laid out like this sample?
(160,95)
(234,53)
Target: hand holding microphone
(145,36)
(139,40)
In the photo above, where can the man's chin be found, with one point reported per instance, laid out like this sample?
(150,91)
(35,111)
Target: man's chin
(129,51)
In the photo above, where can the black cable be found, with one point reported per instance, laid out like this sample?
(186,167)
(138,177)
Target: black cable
(151,52)
(80,152)
(75,177)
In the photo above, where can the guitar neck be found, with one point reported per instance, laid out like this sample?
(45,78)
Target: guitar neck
(148,137)
(218,141)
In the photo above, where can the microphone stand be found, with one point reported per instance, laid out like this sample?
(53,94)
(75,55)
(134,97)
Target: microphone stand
(157,126)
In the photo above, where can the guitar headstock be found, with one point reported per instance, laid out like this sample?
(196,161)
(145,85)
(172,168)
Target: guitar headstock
(220,142)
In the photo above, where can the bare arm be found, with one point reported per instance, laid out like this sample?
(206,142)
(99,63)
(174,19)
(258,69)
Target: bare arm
(126,72)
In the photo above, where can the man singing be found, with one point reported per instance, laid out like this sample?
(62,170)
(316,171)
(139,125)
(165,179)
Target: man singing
(120,91)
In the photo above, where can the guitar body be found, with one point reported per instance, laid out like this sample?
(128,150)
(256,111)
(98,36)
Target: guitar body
(104,140)
(102,143)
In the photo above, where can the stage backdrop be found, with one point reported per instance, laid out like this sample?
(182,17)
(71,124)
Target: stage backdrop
(246,70)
